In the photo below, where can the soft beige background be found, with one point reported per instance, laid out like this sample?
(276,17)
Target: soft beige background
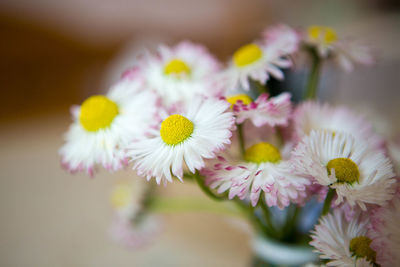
(55,53)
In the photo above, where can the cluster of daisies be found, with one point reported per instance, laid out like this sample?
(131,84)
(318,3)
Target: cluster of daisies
(179,113)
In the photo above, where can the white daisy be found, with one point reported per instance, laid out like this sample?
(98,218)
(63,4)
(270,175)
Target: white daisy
(181,72)
(103,125)
(385,233)
(272,111)
(256,61)
(343,243)
(345,164)
(311,115)
(202,131)
(262,172)
(344,52)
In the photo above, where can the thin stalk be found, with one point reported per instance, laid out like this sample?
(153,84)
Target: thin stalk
(328,200)
(249,211)
(179,205)
(206,189)
(241,139)
(312,84)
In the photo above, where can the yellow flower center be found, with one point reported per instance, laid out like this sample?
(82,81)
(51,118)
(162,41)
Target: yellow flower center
(176,129)
(346,171)
(262,152)
(247,55)
(243,97)
(97,112)
(121,196)
(360,247)
(326,35)
(177,67)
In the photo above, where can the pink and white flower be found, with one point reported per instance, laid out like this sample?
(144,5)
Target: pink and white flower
(274,111)
(189,138)
(104,125)
(257,61)
(285,38)
(385,233)
(261,173)
(311,115)
(179,73)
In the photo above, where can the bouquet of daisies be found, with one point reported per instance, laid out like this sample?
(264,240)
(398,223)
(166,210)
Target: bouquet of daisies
(301,172)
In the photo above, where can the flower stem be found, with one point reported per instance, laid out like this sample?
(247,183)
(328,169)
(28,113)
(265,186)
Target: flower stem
(200,181)
(312,84)
(241,139)
(328,200)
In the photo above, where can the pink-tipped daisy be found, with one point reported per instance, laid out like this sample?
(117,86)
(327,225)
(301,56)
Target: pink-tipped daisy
(179,73)
(311,115)
(338,160)
(343,243)
(103,125)
(257,61)
(345,52)
(262,172)
(187,138)
(385,233)
(285,38)
(274,111)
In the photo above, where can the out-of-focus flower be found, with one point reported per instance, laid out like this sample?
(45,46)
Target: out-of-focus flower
(343,243)
(263,171)
(200,133)
(340,161)
(132,225)
(394,153)
(103,125)
(311,115)
(345,52)
(285,38)
(385,233)
(181,72)
(272,111)
(135,234)
(257,61)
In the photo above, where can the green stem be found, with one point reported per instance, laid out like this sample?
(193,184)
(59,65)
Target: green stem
(328,200)
(241,139)
(200,181)
(178,205)
(312,84)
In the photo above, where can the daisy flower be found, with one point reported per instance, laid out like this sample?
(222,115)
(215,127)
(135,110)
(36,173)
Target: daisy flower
(132,226)
(135,234)
(343,243)
(344,52)
(285,38)
(311,115)
(127,197)
(257,61)
(188,138)
(274,111)
(262,172)
(179,73)
(339,161)
(385,233)
(104,124)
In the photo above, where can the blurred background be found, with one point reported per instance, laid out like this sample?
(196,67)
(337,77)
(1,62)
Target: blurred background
(56,53)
